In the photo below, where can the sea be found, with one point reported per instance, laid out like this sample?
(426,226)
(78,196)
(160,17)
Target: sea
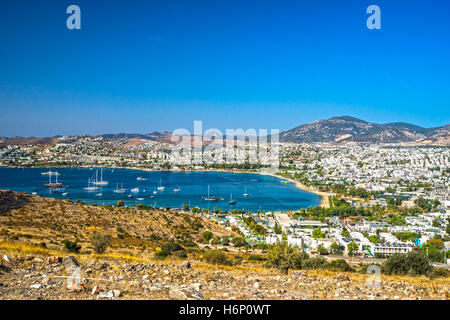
(265,193)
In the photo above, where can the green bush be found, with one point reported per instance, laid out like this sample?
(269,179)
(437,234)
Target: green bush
(162,254)
(285,257)
(238,242)
(440,273)
(316,262)
(180,254)
(413,263)
(100,243)
(217,257)
(172,246)
(339,265)
(254,257)
(71,246)
(207,235)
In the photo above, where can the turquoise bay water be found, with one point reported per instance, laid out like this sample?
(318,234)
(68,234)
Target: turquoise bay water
(265,192)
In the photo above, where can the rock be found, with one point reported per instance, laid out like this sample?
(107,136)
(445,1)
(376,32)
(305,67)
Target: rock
(29,257)
(104,266)
(116,293)
(36,286)
(4,268)
(96,290)
(341,277)
(108,294)
(70,262)
(256,285)
(197,286)
(74,285)
(184,293)
(6,258)
(185,265)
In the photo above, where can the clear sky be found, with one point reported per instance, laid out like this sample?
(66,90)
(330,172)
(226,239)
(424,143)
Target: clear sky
(140,66)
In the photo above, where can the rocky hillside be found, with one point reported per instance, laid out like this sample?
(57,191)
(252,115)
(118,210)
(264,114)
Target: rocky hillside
(35,276)
(345,129)
(48,222)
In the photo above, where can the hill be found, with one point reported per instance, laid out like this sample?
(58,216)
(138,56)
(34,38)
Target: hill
(44,220)
(346,128)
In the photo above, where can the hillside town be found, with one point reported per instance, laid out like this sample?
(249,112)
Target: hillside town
(381,198)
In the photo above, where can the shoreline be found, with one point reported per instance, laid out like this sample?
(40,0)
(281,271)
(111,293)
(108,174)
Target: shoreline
(324,202)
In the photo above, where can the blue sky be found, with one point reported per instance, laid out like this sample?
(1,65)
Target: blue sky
(140,66)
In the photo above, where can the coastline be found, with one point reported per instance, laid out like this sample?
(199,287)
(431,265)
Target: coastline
(324,202)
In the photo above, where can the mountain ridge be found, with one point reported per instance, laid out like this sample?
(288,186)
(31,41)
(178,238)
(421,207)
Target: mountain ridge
(346,128)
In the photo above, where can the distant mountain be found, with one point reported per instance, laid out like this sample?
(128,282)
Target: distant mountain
(148,136)
(346,128)
(54,140)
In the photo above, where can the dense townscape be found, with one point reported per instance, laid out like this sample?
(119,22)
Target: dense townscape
(378,199)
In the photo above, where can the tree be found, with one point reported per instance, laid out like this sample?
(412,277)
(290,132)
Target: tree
(207,235)
(277,229)
(436,223)
(186,207)
(414,262)
(238,242)
(71,246)
(346,233)
(322,250)
(436,203)
(318,234)
(352,247)
(100,243)
(335,248)
(284,257)
(120,203)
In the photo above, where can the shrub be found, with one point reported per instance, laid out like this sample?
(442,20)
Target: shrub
(217,257)
(71,246)
(162,254)
(439,273)
(254,257)
(413,263)
(225,241)
(100,243)
(339,265)
(180,254)
(172,246)
(322,250)
(120,203)
(207,235)
(285,257)
(317,262)
(238,241)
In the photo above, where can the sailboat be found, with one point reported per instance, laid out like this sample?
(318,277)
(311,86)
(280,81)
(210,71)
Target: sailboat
(141,179)
(121,190)
(90,186)
(161,188)
(231,199)
(50,173)
(55,184)
(176,190)
(210,198)
(245,194)
(101,182)
(135,190)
